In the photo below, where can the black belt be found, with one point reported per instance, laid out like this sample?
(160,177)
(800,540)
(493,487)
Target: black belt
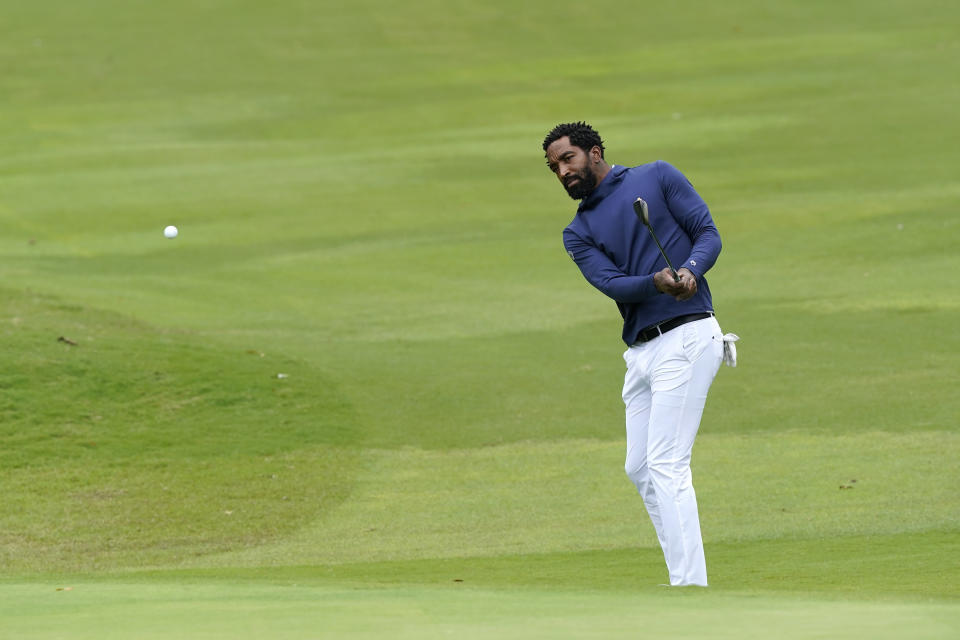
(648,334)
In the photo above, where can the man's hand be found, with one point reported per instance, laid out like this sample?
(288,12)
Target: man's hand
(664,282)
(688,282)
(682,290)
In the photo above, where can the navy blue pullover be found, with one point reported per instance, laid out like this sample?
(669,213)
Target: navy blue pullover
(616,254)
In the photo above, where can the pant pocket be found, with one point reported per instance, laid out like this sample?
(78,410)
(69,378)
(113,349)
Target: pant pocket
(690,341)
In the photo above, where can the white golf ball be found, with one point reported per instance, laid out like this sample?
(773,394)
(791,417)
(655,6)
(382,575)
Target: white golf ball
(170,232)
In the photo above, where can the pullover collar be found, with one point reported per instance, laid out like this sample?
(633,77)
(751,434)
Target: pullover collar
(609,183)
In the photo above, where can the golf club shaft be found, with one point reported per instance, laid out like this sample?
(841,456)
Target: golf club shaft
(643,212)
(676,276)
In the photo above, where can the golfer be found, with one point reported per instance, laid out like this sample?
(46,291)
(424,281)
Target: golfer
(674,344)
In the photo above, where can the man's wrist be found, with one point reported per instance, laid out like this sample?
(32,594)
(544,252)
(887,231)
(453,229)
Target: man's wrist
(656,283)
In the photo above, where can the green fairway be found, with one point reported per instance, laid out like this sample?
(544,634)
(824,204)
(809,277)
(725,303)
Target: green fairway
(366,393)
(213,609)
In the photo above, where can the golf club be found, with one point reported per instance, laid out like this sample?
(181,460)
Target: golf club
(640,207)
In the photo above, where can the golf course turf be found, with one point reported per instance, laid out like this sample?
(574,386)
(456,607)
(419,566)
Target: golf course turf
(366,394)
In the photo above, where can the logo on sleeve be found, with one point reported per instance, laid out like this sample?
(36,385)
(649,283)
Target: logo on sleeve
(570,253)
(693,262)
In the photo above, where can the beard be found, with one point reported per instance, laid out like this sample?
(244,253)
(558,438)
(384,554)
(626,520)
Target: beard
(586,183)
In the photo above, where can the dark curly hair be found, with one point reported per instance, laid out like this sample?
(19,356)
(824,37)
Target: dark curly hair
(580,133)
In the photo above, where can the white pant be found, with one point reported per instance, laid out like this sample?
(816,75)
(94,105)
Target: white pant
(664,390)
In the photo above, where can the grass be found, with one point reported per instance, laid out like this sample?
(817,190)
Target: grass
(216,610)
(365,391)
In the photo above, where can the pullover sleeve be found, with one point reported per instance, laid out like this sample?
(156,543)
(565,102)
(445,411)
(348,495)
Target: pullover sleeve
(693,215)
(602,273)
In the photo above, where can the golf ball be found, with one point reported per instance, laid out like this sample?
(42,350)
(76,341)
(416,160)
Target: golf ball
(170,232)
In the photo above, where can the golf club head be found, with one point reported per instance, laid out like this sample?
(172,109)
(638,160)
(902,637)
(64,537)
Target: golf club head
(640,207)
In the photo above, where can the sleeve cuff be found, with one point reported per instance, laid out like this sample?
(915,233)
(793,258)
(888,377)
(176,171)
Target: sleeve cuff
(691,265)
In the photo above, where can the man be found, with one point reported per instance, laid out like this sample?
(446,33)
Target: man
(675,345)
